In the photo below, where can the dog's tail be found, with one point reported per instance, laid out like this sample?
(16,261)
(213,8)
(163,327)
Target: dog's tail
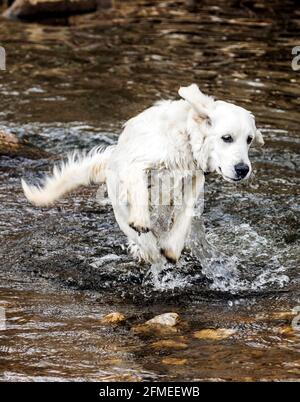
(78,170)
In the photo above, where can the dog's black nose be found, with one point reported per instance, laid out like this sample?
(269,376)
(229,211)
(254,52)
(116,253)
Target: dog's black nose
(241,170)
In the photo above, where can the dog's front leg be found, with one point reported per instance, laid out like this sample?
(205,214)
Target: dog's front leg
(138,197)
(172,243)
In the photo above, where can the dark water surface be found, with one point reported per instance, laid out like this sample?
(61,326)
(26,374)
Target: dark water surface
(64,267)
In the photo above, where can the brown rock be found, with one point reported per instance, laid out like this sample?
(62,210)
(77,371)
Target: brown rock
(169,319)
(286,330)
(283,315)
(113,318)
(214,334)
(154,329)
(163,324)
(10,145)
(169,344)
(276,315)
(174,361)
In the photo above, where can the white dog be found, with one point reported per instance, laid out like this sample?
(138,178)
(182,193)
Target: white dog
(187,137)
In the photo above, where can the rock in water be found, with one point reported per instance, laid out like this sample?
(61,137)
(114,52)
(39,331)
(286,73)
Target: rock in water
(214,334)
(169,344)
(156,330)
(113,318)
(10,145)
(286,330)
(169,319)
(174,361)
(163,324)
(35,9)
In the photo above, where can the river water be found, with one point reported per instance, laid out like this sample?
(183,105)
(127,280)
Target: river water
(63,268)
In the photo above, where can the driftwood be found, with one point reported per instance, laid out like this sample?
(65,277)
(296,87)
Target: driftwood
(35,9)
(11,146)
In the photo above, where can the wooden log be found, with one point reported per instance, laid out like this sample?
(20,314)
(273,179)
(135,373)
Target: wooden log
(38,9)
(11,146)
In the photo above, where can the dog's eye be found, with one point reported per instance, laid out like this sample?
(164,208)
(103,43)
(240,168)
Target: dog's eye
(227,138)
(249,140)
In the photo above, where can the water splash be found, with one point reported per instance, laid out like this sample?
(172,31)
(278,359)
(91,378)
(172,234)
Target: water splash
(162,277)
(245,264)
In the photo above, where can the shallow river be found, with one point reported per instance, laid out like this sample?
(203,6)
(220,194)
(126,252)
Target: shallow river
(63,268)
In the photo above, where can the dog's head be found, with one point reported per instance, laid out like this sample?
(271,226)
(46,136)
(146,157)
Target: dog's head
(221,134)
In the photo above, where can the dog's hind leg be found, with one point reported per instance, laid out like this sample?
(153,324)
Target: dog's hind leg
(172,243)
(143,246)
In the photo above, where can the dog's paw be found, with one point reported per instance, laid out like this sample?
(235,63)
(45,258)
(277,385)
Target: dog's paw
(169,255)
(139,229)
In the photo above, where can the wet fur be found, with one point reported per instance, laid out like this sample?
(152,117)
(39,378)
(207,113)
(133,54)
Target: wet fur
(179,136)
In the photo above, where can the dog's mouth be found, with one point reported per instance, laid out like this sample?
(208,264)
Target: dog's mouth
(231,179)
(227,178)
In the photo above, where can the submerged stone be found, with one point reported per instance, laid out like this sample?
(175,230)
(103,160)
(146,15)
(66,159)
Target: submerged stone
(169,319)
(154,330)
(169,344)
(113,318)
(174,361)
(214,334)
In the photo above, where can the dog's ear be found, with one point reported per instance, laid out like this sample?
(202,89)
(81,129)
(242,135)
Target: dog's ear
(258,139)
(200,102)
